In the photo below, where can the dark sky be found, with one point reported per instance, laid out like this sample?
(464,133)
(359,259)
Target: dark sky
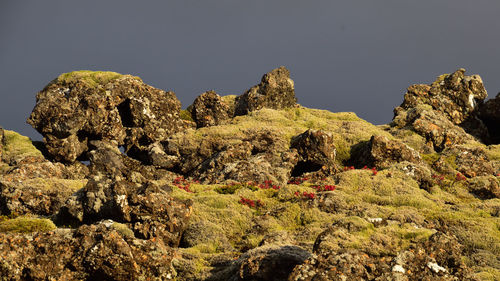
(356,55)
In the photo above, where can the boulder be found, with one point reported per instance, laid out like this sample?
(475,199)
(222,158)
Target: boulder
(470,162)
(316,152)
(81,106)
(485,187)
(276,90)
(92,252)
(267,262)
(381,153)
(454,97)
(489,113)
(208,109)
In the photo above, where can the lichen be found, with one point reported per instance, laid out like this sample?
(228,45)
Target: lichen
(91,78)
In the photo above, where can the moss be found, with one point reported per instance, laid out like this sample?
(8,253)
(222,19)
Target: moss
(123,229)
(186,115)
(430,158)
(18,147)
(55,184)
(90,78)
(26,225)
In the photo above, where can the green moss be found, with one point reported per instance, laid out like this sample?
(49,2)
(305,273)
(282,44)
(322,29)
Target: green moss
(18,147)
(26,225)
(430,158)
(186,115)
(123,229)
(91,78)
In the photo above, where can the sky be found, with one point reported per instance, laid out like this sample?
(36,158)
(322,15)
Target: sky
(356,55)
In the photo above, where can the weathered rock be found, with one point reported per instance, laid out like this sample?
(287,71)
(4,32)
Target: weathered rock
(264,263)
(95,252)
(433,125)
(470,162)
(276,90)
(485,187)
(381,153)
(455,96)
(205,232)
(489,113)
(439,258)
(81,106)
(208,109)
(316,152)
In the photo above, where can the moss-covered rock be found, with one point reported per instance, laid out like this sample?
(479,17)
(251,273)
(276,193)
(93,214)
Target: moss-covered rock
(26,225)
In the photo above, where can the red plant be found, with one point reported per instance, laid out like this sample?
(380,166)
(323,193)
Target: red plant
(346,168)
(305,194)
(460,177)
(374,171)
(269,185)
(324,187)
(251,203)
(182,183)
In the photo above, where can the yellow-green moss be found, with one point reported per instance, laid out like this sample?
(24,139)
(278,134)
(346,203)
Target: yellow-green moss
(18,147)
(185,115)
(123,229)
(91,78)
(26,225)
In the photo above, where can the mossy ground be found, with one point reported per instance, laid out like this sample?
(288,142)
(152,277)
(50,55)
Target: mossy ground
(413,215)
(18,147)
(26,224)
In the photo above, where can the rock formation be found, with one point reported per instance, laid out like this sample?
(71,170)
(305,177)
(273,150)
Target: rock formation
(253,187)
(276,90)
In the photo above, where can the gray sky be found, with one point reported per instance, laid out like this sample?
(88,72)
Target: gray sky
(356,55)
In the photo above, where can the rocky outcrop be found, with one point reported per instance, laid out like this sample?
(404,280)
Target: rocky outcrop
(436,259)
(489,113)
(276,90)
(1,142)
(434,110)
(208,109)
(316,152)
(102,251)
(117,190)
(381,153)
(79,107)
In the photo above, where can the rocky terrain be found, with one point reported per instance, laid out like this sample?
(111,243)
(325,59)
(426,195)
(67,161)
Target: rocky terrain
(126,185)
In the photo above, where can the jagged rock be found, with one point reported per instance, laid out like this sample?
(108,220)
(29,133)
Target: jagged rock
(95,252)
(276,90)
(264,263)
(489,113)
(455,96)
(256,155)
(381,153)
(316,152)
(438,258)
(208,109)
(119,190)
(417,171)
(433,125)
(81,106)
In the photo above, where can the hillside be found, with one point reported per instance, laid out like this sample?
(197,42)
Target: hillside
(128,186)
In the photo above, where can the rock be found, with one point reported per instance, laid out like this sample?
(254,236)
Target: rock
(276,90)
(485,187)
(81,106)
(455,97)
(95,252)
(352,264)
(489,113)
(470,162)
(316,152)
(264,263)
(381,153)
(208,109)
(439,132)
(205,232)
(2,136)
